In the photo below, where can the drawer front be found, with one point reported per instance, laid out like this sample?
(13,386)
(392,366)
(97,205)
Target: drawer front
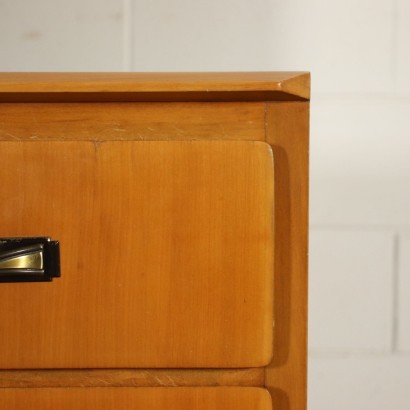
(166,254)
(162,398)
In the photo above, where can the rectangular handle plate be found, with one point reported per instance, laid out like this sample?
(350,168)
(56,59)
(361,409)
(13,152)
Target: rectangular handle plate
(29,259)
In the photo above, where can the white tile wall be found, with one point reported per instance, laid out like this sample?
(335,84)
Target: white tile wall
(202,35)
(403,303)
(360,137)
(360,168)
(351,290)
(403,46)
(346,44)
(360,201)
(57,35)
(359,382)
(358,52)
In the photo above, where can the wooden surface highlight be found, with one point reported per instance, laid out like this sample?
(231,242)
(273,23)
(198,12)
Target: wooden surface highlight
(166,254)
(133,121)
(132,378)
(288,134)
(154,86)
(165,398)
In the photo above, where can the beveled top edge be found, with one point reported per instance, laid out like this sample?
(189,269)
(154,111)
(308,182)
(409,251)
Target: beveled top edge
(253,84)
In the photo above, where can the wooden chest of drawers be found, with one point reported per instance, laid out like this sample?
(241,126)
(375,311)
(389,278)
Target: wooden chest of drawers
(180,205)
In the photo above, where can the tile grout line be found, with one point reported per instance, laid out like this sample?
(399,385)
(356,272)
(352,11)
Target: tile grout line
(395,293)
(383,228)
(355,354)
(394,44)
(127,46)
(393,96)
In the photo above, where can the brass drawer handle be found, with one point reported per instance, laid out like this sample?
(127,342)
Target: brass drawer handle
(29,259)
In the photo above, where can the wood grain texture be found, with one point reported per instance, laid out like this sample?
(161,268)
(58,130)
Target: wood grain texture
(132,378)
(200,398)
(154,86)
(166,254)
(286,130)
(133,121)
(288,134)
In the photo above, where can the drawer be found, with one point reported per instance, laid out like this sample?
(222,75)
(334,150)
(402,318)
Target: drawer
(166,261)
(176,398)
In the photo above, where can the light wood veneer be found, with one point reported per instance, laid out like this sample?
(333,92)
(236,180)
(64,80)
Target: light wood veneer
(267,107)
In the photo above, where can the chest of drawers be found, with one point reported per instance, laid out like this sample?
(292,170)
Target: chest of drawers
(179,202)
